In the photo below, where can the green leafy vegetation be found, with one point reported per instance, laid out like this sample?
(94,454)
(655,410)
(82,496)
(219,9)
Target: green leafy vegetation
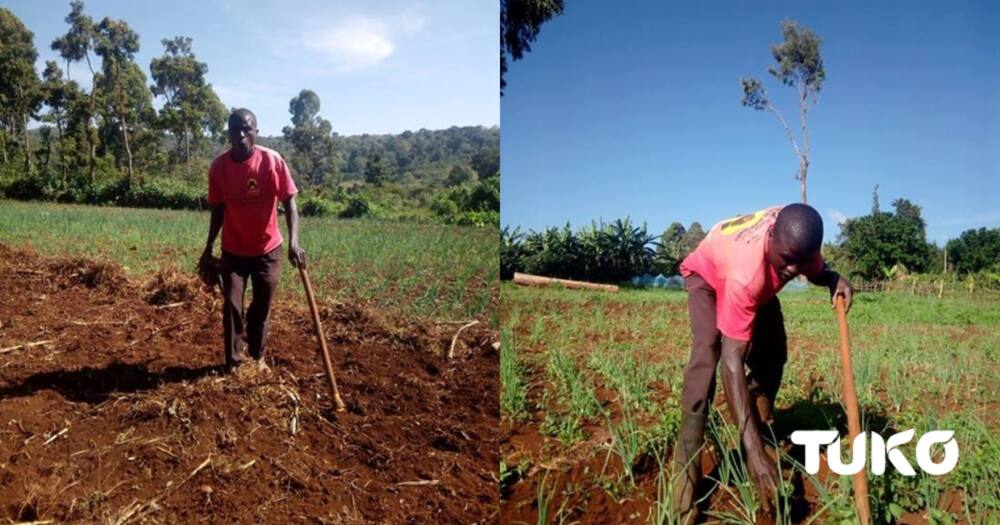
(600,252)
(110,146)
(890,248)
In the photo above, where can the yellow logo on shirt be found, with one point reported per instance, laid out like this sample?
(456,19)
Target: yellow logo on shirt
(252,189)
(742,222)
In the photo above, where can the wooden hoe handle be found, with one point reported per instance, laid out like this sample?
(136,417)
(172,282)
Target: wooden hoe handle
(322,340)
(853,412)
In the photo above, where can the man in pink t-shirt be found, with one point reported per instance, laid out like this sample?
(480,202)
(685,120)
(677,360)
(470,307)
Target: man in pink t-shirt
(245,184)
(733,278)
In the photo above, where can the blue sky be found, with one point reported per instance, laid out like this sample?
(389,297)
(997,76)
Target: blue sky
(633,108)
(378,67)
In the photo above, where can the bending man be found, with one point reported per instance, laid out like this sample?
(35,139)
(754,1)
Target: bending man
(733,278)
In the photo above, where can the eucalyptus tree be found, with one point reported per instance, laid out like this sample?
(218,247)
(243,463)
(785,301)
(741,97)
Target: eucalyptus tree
(20,89)
(57,93)
(312,138)
(192,110)
(798,65)
(127,100)
(75,46)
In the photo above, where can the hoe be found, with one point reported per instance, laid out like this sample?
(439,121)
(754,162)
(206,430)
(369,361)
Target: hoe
(322,340)
(853,412)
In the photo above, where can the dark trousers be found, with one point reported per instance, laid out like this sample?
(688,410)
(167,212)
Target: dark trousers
(264,272)
(765,357)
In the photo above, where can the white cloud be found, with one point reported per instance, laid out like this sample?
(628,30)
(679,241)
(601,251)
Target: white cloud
(837,216)
(357,42)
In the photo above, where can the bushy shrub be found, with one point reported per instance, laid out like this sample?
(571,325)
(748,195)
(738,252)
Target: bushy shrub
(358,207)
(152,193)
(479,219)
(104,193)
(27,188)
(316,206)
(40,184)
(166,193)
(485,195)
(447,205)
(475,206)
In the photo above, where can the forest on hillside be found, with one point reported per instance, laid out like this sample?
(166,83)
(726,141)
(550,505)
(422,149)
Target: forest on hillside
(106,143)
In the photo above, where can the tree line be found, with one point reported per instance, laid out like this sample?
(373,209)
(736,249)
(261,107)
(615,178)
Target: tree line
(107,144)
(878,246)
(889,244)
(600,252)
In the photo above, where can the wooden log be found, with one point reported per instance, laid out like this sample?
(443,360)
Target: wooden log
(526,279)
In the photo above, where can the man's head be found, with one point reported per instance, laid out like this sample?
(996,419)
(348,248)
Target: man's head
(242,131)
(795,240)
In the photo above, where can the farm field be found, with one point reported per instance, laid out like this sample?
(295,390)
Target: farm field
(405,270)
(589,411)
(113,408)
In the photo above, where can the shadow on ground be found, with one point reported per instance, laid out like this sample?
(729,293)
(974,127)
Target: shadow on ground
(94,385)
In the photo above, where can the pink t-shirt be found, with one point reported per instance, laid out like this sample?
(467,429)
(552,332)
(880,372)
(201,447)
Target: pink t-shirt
(732,260)
(250,190)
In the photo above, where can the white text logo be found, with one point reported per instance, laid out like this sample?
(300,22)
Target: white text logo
(881,450)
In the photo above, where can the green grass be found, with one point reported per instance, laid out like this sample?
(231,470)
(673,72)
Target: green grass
(626,442)
(573,389)
(919,362)
(409,270)
(513,394)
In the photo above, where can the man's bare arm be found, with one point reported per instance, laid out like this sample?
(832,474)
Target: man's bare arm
(296,254)
(206,269)
(215,225)
(762,470)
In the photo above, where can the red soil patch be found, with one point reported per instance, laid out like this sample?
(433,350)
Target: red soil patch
(125,416)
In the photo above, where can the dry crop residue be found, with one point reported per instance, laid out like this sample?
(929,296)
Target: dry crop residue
(119,412)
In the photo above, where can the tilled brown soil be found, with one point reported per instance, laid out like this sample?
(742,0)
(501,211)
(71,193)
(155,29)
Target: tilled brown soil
(117,410)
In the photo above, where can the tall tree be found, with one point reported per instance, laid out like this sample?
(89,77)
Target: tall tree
(75,46)
(124,84)
(520,22)
(20,89)
(311,135)
(192,109)
(56,92)
(798,65)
